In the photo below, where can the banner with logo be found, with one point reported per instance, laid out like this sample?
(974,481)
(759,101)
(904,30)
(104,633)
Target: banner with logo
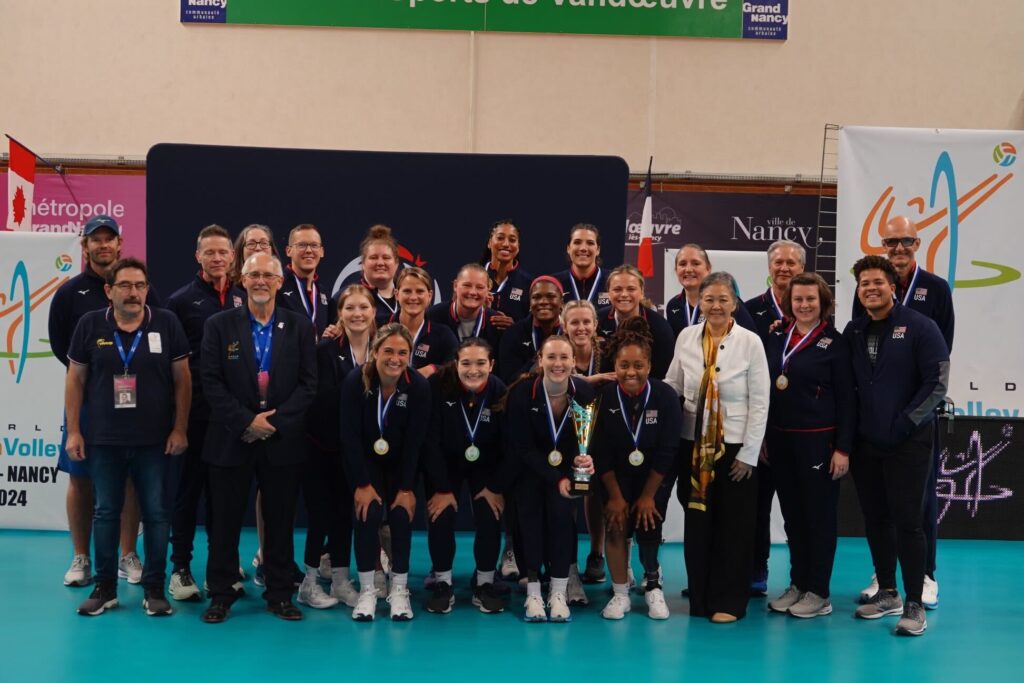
(694,18)
(962,188)
(66,203)
(735,228)
(32,267)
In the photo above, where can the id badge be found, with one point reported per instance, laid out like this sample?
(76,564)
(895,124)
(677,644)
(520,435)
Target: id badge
(126,391)
(263,383)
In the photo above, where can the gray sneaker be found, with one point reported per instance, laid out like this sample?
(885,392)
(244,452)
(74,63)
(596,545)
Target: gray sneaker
(912,623)
(811,605)
(882,604)
(789,598)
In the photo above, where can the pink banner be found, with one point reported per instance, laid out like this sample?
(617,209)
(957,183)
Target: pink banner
(55,210)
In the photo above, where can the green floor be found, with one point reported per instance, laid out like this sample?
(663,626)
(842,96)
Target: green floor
(973,636)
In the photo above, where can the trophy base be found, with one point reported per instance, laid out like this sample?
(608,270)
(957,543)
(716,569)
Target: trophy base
(580,488)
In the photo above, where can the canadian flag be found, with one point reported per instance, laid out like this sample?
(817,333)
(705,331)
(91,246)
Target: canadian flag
(645,256)
(21,178)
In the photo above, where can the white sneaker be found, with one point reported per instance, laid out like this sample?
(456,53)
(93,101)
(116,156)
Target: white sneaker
(401,605)
(509,568)
(183,587)
(534,609)
(312,594)
(80,572)
(617,607)
(130,567)
(380,582)
(657,608)
(345,592)
(869,592)
(574,589)
(930,593)
(558,608)
(366,605)
(325,567)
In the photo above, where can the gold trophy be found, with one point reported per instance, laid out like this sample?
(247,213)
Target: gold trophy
(583,418)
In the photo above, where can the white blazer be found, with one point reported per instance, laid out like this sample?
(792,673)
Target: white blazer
(743,385)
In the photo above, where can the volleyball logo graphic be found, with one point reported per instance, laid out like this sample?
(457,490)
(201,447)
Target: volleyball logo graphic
(1004,154)
(64,263)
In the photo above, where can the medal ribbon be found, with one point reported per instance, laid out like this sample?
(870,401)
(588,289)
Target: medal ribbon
(476,425)
(640,418)
(786,355)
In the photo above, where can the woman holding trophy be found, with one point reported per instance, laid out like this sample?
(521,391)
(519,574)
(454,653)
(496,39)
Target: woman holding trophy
(547,420)
(637,435)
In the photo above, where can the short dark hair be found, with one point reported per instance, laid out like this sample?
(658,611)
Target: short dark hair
(825,297)
(875,262)
(212,230)
(121,264)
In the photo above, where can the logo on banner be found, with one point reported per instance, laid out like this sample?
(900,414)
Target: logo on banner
(666,222)
(939,222)
(204,11)
(771,230)
(17,345)
(961,475)
(64,263)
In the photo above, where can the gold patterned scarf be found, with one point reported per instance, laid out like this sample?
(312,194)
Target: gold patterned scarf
(709,431)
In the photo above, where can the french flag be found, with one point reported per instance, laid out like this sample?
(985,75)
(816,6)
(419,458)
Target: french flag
(645,255)
(21,178)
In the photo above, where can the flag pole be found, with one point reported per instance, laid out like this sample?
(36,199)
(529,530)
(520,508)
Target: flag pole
(58,168)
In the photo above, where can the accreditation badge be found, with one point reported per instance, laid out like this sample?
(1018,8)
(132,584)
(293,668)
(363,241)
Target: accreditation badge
(126,391)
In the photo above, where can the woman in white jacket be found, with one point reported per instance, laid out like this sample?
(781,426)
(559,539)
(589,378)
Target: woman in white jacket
(720,371)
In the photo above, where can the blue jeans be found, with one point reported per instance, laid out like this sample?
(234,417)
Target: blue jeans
(111,466)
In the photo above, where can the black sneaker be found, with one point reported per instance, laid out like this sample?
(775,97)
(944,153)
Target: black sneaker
(487,598)
(442,599)
(102,598)
(285,610)
(155,603)
(216,612)
(595,569)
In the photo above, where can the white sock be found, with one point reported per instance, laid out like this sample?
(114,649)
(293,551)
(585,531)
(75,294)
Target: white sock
(312,572)
(446,577)
(366,580)
(400,580)
(620,588)
(483,578)
(533,590)
(339,574)
(559,585)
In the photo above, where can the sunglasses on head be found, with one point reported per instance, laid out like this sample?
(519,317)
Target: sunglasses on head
(893,242)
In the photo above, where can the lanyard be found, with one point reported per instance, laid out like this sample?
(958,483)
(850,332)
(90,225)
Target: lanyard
(640,418)
(593,289)
(131,353)
(910,285)
(416,337)
(479,320)
(505,282)
(382,412)
(775,304)
(692,314)
(786,355)
(383,300)
(476,425)
(536,341)
(352,352)
(555,433)
(263,352)
(311,306)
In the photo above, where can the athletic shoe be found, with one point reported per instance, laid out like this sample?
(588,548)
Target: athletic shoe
(102,598)
(183,587)
(284,609)
(401,606)
(594,572)
(366,606)
(380,582)
(558,608)
(216,613)
(486,597)
(881,604)
(912,623)
(130,567)
(870,591)
(811,605)
(325,567)
(657,608)
(509,568)
(930,593)
(345,592)
(533,609)
(574,589)
(259,577)
(429,580)
(617,607)
(759,584)
(789,597)
(155,603)
(312,593)
(80,572)
(442,599)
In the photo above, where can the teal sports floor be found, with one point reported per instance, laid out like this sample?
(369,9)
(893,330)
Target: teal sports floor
(975,635)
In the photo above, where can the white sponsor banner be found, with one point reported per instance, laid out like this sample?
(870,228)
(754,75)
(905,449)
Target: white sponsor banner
(964,190)
(32,267)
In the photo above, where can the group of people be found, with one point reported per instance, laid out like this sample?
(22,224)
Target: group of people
(252,372)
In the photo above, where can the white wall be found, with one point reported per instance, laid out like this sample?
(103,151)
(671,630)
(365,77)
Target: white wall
(112,77)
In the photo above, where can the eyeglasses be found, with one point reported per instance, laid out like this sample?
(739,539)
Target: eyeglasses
(893,242)
(256,277)
(257,244)
(127,287)
(306,246)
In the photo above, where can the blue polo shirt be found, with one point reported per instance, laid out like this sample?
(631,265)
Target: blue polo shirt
(163,341)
